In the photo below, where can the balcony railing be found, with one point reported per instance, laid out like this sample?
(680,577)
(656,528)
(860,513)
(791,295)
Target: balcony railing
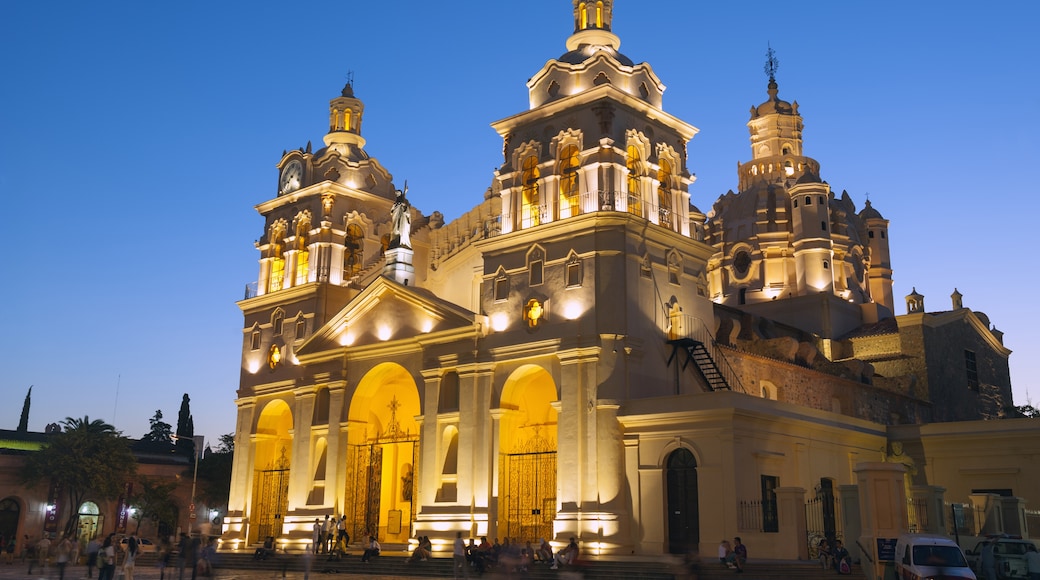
(589,202)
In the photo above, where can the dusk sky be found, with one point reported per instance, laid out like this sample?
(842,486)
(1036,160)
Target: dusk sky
(137,137)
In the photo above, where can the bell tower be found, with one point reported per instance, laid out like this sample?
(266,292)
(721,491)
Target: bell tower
(592,25)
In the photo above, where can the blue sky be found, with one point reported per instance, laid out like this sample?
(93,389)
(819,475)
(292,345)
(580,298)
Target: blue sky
(136,137)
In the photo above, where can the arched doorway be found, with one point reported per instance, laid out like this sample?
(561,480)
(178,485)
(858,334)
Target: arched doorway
(383,455)
(271,479)
(683,512)
(527,455)
(10,513)
(91,522)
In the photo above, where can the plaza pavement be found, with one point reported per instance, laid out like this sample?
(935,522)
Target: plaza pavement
(18,570)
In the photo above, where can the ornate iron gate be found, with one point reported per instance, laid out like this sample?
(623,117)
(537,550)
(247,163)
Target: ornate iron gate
(822,522)
(527,502)
(365,480)
(272,498)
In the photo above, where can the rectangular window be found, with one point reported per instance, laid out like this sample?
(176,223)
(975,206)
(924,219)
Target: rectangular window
(808,201)
(535,273)
(254,342)
(870,234)
(823,225)
(770,521)
(501,288)
(574,274)
(971,370)
(301,328)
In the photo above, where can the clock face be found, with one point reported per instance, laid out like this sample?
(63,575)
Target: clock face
(292,175)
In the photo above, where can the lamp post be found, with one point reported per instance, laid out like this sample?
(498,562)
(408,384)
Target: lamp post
(198,441)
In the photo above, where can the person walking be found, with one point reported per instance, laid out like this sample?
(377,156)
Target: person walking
(183,546)
(458,557)
(107,559)
(131,557)
(62,554)
(93,546)
(1032,562)
(316,534)
(40,554)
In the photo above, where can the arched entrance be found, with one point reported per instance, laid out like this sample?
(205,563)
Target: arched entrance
(271,478)
(527,456)
(10,513)
(683,513)
(383,455)
(91,521)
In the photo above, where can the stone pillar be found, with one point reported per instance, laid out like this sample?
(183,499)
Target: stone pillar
(882,508)
(792,541)
(301,469)
(430,443)
(1014,515)
(235,524)
(987,513)
(852,526)
(933,515)
(336,453)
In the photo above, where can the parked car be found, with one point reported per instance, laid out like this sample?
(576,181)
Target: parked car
(144,545)
(1009,553)
(930,556)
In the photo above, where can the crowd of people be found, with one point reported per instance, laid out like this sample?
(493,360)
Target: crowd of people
(509,556)
(110,556)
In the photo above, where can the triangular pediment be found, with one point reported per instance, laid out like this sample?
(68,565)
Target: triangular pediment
(387,312)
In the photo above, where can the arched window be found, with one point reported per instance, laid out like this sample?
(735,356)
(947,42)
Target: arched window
(634,164)
(569,162)
(530,200)
(353,250)
(303,260)
(346,120)
(276,322)
(599,14)
(664,193)
(584,17)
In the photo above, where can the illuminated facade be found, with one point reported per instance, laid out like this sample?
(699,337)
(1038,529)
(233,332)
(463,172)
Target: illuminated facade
(574,355)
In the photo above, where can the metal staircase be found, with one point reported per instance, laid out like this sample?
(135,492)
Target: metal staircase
(699,347)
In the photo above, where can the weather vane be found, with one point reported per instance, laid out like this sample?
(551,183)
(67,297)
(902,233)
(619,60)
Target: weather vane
(772,63)
(350,77)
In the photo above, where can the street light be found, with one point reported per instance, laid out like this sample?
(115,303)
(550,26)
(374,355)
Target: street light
(198,440)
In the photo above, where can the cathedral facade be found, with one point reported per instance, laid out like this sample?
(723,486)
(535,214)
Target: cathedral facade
(584,353)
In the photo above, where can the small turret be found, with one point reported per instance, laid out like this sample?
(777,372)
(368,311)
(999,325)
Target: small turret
(914,302)
(345,114)
(957,299)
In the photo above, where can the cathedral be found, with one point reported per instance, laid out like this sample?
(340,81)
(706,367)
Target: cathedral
(585,352)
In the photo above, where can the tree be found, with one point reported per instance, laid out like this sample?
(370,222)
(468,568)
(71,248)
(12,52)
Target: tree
(1028,411)
(185,427)
(161,431)
(23,421)
(154,502)
(88,457)
(215,473)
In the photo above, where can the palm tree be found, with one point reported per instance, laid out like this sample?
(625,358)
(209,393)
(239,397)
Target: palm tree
(85,425)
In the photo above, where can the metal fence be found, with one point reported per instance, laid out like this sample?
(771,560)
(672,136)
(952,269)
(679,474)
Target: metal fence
(1032,524)
(823,521)
(962,519)
(917,515)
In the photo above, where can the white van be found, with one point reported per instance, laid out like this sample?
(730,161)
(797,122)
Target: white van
(930,557)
